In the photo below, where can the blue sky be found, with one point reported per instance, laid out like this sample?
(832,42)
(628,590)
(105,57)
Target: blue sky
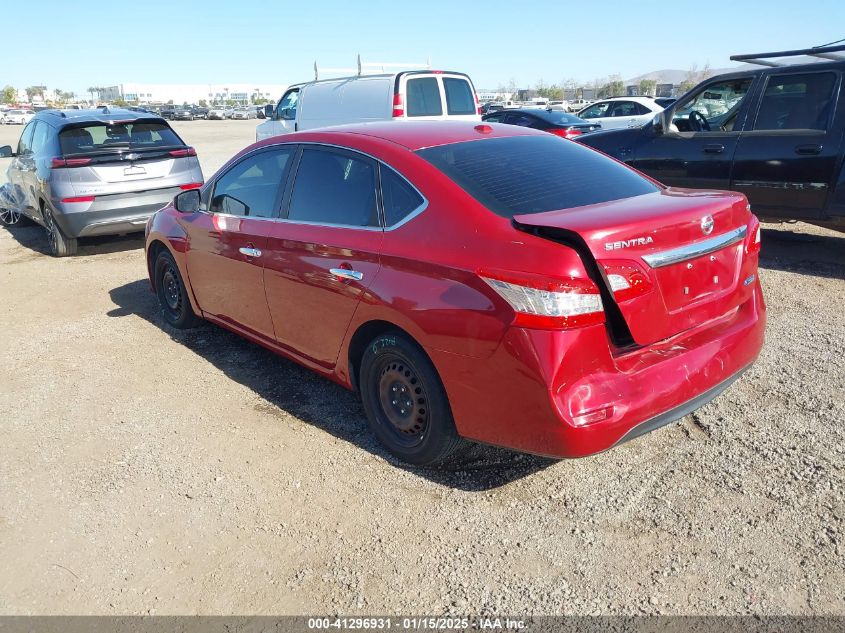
(75,45)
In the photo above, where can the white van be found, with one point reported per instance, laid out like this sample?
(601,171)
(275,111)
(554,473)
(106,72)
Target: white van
(416,95)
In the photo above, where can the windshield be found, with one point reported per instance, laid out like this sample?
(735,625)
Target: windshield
(533,174)
(105,136)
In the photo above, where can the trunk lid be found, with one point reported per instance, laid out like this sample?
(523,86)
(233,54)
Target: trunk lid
(683,251)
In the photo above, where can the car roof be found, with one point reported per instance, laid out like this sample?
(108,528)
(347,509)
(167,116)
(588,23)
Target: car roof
(93,115)
(413,135)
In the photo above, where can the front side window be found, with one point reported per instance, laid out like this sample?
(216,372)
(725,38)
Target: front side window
(595,111)
(287,105)
(797,102)
(718,103)
(25,144)
(423,97)
(459,97)
(334,188)
(400,198)
(251,187)
(533,174)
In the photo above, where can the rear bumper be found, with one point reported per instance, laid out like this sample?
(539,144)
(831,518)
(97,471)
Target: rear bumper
(112,214)
(535,393)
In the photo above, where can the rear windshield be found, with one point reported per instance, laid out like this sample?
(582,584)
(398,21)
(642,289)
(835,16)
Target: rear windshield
(562,118)
(424,97)
(459,97)
(101,136)
(533,174)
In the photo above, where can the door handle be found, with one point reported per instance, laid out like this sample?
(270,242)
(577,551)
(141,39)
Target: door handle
(345,273)
(714,148)
(250,252)
(808,149)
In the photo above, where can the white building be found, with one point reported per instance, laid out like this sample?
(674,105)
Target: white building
(193,93)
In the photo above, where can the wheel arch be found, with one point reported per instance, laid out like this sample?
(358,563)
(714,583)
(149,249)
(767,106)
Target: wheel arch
(362,337)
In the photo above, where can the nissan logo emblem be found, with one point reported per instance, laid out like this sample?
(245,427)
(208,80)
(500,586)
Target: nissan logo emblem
(707,224)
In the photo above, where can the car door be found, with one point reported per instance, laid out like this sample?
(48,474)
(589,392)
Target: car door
(227,239)
(596,113)
(324,252)
(627,114)
(681,156)
(22,165)
(787,159)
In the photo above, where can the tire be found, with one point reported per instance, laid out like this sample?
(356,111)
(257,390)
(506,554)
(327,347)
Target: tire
(12,218)
(406,404)
(60,244)
(172,294)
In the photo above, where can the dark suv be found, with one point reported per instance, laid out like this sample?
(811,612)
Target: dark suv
(774,133)
(81,173)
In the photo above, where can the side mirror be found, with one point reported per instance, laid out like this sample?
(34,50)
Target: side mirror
(6,151)
(657,123)
(269,110)
(187,201)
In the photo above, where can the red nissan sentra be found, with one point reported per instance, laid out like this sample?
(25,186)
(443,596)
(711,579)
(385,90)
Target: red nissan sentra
(471,282)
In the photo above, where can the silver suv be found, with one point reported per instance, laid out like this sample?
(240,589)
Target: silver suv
(81,173)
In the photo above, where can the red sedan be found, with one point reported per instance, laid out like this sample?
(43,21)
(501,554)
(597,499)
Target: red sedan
(471,282)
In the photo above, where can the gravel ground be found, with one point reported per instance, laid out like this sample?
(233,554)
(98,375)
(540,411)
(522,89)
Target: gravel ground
(146,470)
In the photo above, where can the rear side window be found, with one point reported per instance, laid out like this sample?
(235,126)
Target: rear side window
(797,102)
(101,136)
(251,187)
(532,174)
(459,97)
(400,199)
(334,188)
(423,97)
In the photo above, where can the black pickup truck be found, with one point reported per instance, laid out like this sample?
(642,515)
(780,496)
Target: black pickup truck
(777,134)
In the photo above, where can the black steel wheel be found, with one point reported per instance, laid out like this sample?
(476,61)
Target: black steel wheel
(172,294)
(405,402)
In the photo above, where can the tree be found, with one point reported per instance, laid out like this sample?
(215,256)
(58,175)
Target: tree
(647,87)
(34,91)
(202,103)
(614,87)
(9,94)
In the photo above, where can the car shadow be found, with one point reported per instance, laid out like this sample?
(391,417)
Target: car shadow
(805,253)
(34,238)
(315,400)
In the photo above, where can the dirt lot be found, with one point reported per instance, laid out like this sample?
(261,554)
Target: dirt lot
(145,470)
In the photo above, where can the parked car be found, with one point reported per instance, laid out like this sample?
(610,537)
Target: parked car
(17,116)
(579,104)
(200,112)
(167,111)
(259,112)
(556,122)
(220,112)
(97,172)
(183,113)
(244,113)
(571,305)
(418,95)
(563,106)
(772,133)
(621,112)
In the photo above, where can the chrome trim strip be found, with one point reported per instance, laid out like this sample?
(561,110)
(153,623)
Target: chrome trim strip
(697,249)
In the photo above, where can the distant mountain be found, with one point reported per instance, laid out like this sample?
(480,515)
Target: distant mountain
(674,76)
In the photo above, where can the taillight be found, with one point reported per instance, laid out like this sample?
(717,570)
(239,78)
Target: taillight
(754,243)
(398,105)
(181,153)
(626,279)
(564,133)
(544,303)
(190,185)
(58,163)
(79,199)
